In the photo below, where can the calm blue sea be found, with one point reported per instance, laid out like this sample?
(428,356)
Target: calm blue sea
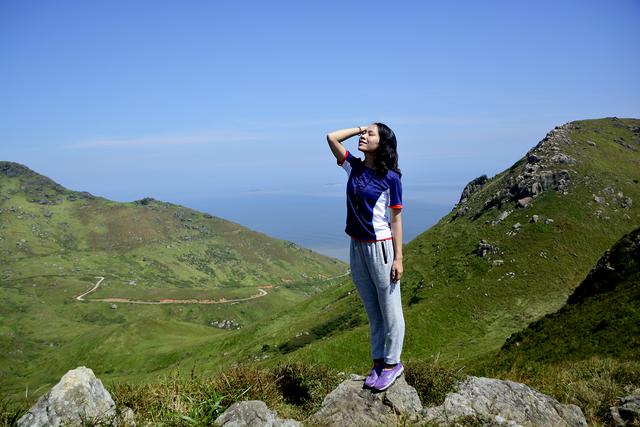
(315,222)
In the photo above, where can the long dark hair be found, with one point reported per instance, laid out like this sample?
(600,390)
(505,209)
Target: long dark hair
(386,155)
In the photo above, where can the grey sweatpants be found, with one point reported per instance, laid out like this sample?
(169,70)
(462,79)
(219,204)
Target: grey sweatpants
(371,273)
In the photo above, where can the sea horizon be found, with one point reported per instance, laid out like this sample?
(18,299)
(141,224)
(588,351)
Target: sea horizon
(313,222)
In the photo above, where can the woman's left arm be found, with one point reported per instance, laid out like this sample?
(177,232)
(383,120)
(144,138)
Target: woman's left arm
(396,232)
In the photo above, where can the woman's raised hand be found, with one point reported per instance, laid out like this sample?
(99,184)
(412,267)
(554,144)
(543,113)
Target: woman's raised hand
(336,137)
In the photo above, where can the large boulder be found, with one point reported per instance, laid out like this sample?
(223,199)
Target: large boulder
(498,402)
(352,405)
(78,399)
(254,413)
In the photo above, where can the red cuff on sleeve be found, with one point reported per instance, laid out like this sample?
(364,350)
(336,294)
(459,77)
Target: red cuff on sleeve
(346,154)
(396,207)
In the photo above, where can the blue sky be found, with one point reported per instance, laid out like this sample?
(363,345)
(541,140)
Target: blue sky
(189,101)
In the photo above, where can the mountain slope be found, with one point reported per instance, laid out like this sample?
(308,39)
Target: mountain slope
(512,250)
(483,272)
(56,243)
(584,177)
(601,317)
(41,218)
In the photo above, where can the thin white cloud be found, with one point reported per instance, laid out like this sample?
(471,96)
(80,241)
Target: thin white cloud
(250,131)
(168,140)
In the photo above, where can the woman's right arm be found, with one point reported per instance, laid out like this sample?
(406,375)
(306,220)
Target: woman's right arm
(336,137)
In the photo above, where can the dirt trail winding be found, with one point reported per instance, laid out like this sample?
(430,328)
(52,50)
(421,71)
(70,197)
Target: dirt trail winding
(261,293)
(81,296)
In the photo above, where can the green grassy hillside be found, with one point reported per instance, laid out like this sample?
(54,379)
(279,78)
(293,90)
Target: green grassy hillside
(55,243)
(588,352)
(511,251)
(601,317)
(584,176)
(463,298)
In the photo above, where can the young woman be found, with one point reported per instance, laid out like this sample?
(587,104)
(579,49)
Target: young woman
(376,243)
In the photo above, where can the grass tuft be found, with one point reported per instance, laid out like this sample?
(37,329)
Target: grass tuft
(293,390)
(432,380)
(10,411)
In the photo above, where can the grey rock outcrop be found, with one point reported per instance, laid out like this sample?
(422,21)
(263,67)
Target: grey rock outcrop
(628,411)
(254,413)
(503,215)
(352,405)
(224,324)
(539,171)
(484,248)
(562,158)
(524,202)
(473,186)
(482,401)
(498,402)
(79,398)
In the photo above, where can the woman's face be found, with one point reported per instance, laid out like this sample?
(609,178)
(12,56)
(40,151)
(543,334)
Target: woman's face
(369,139)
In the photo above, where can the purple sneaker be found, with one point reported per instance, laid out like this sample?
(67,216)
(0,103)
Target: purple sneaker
(388,376)
(373,376)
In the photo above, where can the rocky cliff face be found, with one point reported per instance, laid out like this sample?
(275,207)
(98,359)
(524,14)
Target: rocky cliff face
(544,168)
